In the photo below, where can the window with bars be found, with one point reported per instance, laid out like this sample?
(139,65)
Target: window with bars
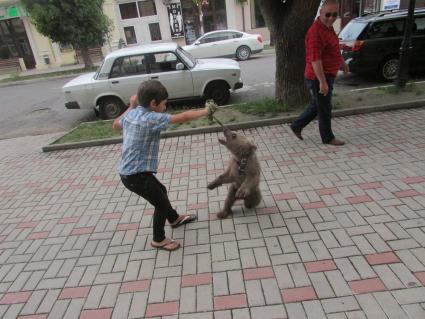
(155,31)
(128,10)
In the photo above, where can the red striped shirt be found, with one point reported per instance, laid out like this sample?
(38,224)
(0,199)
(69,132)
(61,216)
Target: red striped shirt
(321,43)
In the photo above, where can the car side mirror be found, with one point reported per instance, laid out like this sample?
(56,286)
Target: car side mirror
(197,43)
(179,66)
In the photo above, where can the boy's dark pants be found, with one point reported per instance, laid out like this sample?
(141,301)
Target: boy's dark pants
(321,106)
(148,186)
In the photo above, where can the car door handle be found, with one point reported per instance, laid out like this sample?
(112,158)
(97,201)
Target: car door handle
(115,82)
(154,77)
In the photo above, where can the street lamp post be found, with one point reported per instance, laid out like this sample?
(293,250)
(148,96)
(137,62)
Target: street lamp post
(406,48)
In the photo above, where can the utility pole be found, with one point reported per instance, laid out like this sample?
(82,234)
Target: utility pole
(406,48)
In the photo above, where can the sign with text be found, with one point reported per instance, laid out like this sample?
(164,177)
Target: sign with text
(391,5)
(176,20)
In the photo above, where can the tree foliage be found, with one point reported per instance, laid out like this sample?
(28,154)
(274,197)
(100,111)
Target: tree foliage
(80,23)
(288,21)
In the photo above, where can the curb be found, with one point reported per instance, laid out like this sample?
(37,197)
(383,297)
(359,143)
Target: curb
(41,79)
(238,126)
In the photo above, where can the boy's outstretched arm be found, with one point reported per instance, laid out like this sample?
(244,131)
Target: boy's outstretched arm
(193,114)
(133,103)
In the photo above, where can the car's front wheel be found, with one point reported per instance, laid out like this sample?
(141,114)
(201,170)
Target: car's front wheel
(243,53)
(110,107)
(218,91)
(389,68)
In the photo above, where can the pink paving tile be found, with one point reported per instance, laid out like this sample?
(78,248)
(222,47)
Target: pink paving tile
(148,212)
(33,317)
(359,199)
(391,149)
(321,265)
(285,163)
(111,216)
(382,258)
(413,179)
(39,235)
(134,286)
(230,302)
(76,186)
(27,224)
(15,297)
(420,276)
(298,294)
(162,309)
(284,196)
(97,178)
(2,238)
(69,220)
(196,280)
(182,175)
(406,193)
(82,231)
(258,273)
(197,206)
(297,154)
(165,170)
(367,286)
(74,292)
(131,226)
(314,205)
(212,216)
(371,185)
(267,210)
(327,191)
(105,313)
(321,158)
(197,166)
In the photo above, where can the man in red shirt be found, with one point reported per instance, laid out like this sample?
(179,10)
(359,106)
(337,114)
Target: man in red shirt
(323,60)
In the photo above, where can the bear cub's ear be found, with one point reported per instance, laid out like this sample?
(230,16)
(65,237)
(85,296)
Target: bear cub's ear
(252,148)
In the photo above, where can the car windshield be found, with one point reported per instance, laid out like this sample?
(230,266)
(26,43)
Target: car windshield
(186,57)
(352,31)
(98,75)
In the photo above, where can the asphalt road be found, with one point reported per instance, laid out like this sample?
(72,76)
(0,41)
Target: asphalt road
(38,108)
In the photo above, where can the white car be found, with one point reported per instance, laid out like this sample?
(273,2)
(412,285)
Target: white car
(109,89)
(226,43)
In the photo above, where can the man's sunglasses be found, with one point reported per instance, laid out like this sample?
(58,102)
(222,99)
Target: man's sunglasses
(331,14)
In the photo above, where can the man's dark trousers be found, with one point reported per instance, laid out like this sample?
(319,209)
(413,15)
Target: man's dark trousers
(320,106)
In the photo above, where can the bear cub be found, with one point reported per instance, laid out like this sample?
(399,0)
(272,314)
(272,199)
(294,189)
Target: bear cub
(243,173)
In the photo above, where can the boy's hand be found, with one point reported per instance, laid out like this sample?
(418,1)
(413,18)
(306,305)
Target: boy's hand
(211,107)
(133,101)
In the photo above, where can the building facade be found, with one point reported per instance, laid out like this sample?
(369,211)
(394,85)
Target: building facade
(135,22)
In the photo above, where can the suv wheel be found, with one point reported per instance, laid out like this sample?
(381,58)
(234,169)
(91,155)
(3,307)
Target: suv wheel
(389,68)
(243,53)
(219,92)
(110,108)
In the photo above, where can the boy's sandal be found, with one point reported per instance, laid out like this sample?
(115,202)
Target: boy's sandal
(167,244)
(184,219)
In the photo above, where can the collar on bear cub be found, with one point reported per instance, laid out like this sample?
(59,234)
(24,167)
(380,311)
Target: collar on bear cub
(241,164)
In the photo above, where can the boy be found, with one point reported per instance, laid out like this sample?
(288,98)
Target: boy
(141,127)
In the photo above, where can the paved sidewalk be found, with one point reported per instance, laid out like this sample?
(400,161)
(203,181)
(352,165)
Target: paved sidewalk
(340,232)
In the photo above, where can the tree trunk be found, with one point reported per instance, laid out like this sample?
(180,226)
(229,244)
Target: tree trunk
(201,22)
(289,23)
(243,16)
(88,63)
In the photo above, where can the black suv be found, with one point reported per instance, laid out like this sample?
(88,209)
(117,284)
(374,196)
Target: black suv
(371,43)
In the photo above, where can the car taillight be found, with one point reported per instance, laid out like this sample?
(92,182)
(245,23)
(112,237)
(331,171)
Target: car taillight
(260,39)
(358,45)
(354,46)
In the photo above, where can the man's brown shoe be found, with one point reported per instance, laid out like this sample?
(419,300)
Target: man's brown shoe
(297,132)
(335,142)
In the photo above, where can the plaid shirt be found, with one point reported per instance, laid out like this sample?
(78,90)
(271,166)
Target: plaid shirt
(321,43)
(141,135)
